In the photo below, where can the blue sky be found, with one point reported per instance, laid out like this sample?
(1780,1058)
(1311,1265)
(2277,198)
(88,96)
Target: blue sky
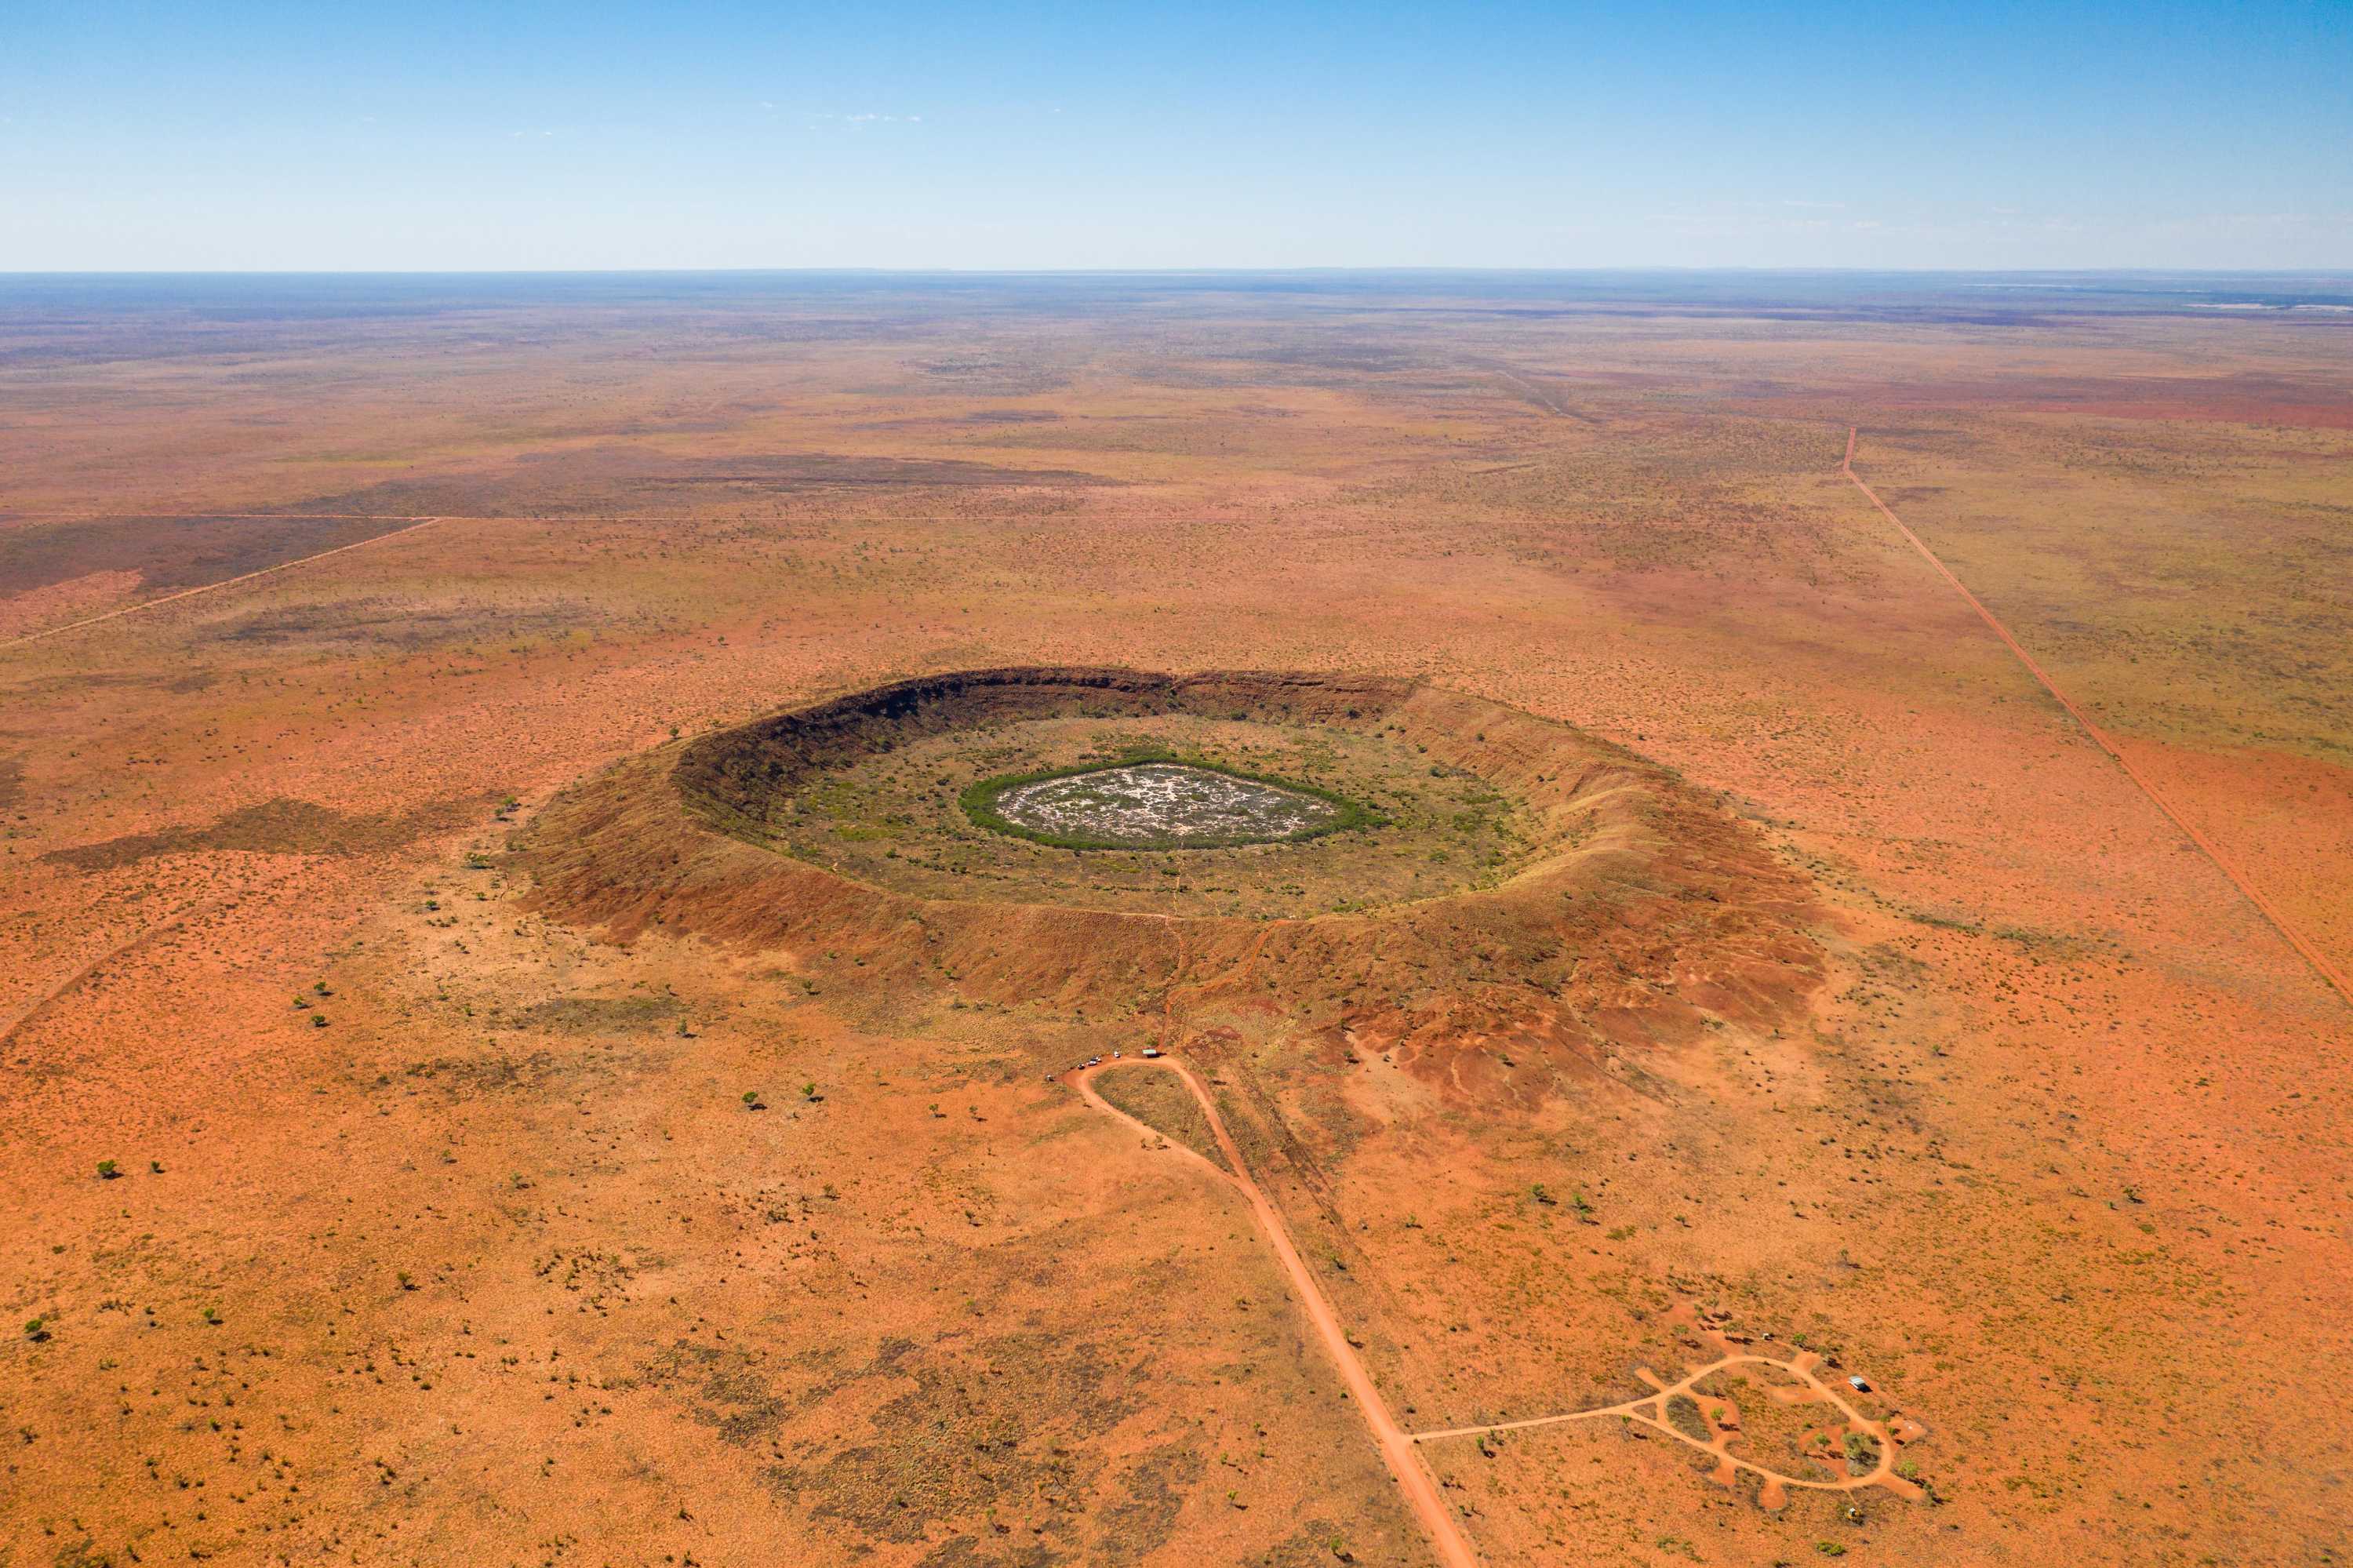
(242,135)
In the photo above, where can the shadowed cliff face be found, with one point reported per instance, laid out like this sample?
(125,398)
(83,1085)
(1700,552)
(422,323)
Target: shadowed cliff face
(745,771)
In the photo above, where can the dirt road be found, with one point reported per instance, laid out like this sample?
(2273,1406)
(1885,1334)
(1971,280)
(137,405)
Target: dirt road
(1397,1445)
(2304,948)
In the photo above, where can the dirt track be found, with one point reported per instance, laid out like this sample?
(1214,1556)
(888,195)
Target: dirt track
(1652,1411)
(1397,1445)
(2334,977)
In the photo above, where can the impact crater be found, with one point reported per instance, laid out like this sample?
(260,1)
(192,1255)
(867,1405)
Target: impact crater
(1405,872)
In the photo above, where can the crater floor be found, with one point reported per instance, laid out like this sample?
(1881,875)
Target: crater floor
(1254,797)
(1157,805)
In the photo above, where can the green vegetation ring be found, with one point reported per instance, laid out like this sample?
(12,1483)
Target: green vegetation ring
(967,787)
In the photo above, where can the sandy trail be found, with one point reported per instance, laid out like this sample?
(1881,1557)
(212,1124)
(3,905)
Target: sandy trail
(1396,1444)
(2312,955)
(1540,395)
(1650,1409)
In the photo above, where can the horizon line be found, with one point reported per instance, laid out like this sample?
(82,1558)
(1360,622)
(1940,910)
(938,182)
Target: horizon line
(1320,269)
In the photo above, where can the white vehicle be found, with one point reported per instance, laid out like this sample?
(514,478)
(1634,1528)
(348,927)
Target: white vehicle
(1152,1050)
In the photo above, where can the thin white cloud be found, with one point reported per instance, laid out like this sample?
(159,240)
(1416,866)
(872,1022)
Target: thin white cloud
(863,119)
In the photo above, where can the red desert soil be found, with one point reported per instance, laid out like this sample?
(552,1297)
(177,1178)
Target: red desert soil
(1397,1446)
(431,1134)
(2289,929)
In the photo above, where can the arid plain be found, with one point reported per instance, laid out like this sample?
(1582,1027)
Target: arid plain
(425,1141)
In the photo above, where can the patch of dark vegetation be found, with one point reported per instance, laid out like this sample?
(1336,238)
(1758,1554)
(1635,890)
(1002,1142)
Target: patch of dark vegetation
(985,803)
(1943,922)
(616,479)
(820,471)
(1142,1521)
(966,1552)
(1158,1098)
(282,826)
(1684,1415)
(1014,417)
(481,1073)
(1007,1425)
(1324,351)
(724,1391)
(401,625)
(12,782)
(172,553)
